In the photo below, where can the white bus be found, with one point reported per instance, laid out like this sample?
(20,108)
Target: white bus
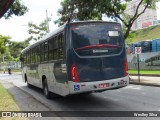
(78,57)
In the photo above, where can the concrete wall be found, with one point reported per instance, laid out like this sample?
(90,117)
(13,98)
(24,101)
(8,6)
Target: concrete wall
(132,61)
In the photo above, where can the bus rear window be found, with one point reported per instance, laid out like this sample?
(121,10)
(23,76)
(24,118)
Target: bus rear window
(96,39)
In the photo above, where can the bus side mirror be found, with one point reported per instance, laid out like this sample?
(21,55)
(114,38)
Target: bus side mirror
(21,59)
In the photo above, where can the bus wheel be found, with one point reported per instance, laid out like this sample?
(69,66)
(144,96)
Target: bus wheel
(28,85)
(45,89)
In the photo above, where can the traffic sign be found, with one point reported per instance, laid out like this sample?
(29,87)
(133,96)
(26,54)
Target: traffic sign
(138,50)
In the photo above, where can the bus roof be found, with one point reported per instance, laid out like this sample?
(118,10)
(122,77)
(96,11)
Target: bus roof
(61,28)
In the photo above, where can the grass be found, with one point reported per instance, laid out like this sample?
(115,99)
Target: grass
(149,33)
(151,72)
(7,103)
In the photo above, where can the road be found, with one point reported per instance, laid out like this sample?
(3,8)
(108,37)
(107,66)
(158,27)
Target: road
(130,98)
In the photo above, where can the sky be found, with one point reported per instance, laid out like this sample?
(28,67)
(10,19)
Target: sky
(17,28)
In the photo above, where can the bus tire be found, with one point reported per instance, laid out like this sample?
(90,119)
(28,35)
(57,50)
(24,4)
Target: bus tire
(28,85)
(47,94)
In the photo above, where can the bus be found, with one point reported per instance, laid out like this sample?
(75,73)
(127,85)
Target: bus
(153,61)
(156,45)
(78,57)
(146,46)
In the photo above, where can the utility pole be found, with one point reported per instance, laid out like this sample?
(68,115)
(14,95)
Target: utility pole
(47,22)
(138,50)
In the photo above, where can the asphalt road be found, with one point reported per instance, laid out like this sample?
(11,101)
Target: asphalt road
(130,98)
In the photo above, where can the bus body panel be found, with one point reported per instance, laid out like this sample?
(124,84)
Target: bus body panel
(100,57)
(30,73)
(98,86)
(96,72)
(46,70)
(54,78)
(155,45)
(97,69)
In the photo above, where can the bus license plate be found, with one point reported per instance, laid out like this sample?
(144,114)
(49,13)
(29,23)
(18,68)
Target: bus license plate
(104,85)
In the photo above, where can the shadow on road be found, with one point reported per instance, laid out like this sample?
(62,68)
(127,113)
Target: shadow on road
(81,102)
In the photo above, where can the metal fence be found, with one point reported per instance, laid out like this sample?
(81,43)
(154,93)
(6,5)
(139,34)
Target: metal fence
(10,64)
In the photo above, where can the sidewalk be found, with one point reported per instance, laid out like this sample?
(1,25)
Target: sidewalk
(145,80)
(27,102)
(11,72)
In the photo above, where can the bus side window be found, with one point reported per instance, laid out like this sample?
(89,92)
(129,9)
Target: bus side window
(38,54)
(29,57)
(60,46)
(59,66)
(51,47)
(42,52)
(35,55)
(24,56)
(55,43)
(46,51)
(55,51)
(32,55)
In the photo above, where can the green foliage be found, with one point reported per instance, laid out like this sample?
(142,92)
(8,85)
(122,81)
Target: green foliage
(130,37)
(10,50)
(145,34)
(7,102)
(93,10)
(3,42)
(37,31)
(18,9)
(7,55)
(15,49)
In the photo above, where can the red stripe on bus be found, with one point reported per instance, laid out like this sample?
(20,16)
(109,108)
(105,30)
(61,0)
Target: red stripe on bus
(98,46)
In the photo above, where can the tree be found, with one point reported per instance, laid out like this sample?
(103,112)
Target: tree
(37,31)
(11,50)
(17,8)
(93,10)
(4,40)
(15,48)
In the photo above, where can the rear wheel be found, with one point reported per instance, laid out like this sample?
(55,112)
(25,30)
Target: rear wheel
(45,89)
(28,85)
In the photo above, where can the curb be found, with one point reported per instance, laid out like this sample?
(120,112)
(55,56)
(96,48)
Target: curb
(145,75)
(146,84)
(135,81)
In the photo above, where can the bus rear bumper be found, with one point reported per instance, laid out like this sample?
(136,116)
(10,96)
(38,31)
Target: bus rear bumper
(98,86)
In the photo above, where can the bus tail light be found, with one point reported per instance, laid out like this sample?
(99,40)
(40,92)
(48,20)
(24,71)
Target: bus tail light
(125,68)
(74,73)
